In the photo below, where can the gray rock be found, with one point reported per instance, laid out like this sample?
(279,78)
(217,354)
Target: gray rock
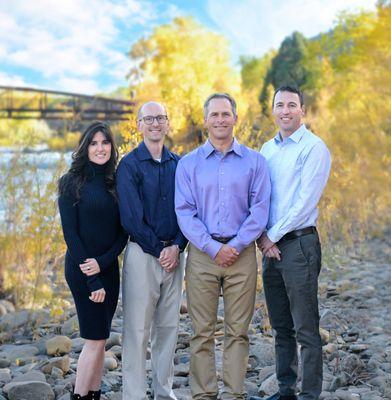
(345,395)
(32,390)
(265,372)
(263,352)
(35,376)
(251,388)
(70,326)
(14,320)
(382,382)
(30,376)
(3,310)
(339,381)
(67,396)
(183,394)
(358,347)
(180,381)
(115,339)
(330,321)
(351,363)
(57,373)
(4,362)
(371,396)
(9,307)
(24,351)
(269,386)
(181,370)
(5,375)
(77,344)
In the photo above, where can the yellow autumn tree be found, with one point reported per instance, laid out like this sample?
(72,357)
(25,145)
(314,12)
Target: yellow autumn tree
(181,64)
(352,113)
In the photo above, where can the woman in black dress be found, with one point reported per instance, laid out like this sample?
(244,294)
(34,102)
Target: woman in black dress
(94,237)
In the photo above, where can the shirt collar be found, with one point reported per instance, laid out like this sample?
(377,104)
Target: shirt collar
(208,148)
(144,154)
(296,135)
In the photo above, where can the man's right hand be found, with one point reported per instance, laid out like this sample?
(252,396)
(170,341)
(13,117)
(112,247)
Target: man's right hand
(226,256)
(273,252)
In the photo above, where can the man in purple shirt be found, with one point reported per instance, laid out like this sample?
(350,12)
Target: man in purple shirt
(222,199)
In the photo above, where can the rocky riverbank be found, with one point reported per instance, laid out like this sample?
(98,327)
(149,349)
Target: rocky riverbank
(38,356)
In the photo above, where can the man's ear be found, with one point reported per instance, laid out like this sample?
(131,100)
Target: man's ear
(303,110)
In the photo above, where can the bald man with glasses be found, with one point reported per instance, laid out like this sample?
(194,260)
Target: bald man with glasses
(153,264)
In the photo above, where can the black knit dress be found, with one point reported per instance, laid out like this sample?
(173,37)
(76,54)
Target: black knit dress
(92,229)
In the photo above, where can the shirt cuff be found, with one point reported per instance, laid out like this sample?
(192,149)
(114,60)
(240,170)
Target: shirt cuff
(236,244)
(212,248)
(274,235)
(181,243)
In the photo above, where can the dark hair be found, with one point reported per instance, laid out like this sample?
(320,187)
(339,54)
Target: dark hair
(290,89)
(75,178)
(220,96)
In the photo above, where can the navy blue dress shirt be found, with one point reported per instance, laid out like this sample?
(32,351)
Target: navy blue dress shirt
(146,189)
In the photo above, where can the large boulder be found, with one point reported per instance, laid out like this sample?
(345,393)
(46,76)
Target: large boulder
(24,352)
(32,390)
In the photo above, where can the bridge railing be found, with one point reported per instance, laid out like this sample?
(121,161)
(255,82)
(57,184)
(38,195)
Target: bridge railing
(32,103)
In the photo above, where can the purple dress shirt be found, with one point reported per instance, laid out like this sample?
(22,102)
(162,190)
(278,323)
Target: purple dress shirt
(222,196)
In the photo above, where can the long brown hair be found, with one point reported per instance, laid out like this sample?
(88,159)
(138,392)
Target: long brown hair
(75,178)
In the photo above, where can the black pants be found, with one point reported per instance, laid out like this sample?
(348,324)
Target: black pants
(291,291)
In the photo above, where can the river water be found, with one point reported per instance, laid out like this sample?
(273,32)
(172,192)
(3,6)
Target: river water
(43,163)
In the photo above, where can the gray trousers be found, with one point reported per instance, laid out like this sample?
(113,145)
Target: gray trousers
(151,301)
(291,291)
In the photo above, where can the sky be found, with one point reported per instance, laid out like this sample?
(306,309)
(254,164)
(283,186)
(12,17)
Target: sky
(81,46)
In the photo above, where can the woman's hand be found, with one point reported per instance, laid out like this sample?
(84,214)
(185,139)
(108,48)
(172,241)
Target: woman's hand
(90,267)
(98,296)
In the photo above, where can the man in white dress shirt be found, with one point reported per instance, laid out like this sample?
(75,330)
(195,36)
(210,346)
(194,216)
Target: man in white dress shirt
(299,164)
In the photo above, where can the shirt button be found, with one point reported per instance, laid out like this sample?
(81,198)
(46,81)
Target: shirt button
(164,198)
(222,189)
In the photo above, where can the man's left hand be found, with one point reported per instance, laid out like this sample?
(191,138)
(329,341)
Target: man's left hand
(169,258)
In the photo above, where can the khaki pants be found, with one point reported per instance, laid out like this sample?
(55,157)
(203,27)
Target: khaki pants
(151,300)
(204,282)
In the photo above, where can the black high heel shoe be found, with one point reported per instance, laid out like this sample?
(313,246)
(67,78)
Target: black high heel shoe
(94,395)
(78,397)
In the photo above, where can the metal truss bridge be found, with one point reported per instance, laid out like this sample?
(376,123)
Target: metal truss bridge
(31,103)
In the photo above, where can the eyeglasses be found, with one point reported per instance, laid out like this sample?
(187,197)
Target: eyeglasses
(148,120)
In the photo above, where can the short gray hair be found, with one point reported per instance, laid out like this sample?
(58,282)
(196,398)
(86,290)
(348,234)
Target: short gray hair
(220,96)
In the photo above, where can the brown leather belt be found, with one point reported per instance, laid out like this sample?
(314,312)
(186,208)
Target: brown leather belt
(298,233)
(223,240)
